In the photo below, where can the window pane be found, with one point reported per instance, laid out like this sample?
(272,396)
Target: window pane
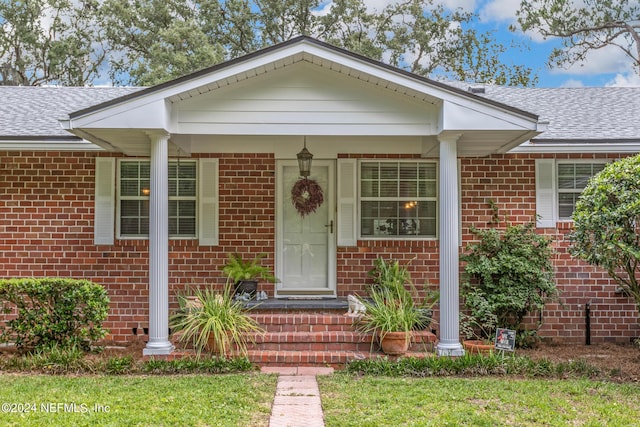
(186,227)
(406,204)
(173,188)
(145,170)
(129,226)
(408,171)
(369,189)
(130,208)
(428,171)
(129,169)
(388,188)
(427,189)
(408,188)
(186,188)
(567,204)
(129,188)
(389,171)
(187,170)
(187,208)
(369,171)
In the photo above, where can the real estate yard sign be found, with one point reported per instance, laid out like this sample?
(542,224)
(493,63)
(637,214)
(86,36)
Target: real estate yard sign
(505,339)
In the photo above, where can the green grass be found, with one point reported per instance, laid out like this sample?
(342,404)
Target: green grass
(193,400)
(350,400)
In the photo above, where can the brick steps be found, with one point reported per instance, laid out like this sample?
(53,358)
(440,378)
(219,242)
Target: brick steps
(319,339)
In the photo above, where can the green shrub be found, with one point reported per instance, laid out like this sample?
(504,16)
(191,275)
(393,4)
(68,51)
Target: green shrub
(64,312)
(605,224)
(510,275)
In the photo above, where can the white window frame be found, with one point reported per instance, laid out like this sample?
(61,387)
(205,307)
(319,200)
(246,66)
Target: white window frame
(435,199)
(119,199)
(547,198)
(570,190)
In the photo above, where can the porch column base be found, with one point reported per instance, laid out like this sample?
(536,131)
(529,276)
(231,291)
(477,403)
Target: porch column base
(454,349)
(160,348)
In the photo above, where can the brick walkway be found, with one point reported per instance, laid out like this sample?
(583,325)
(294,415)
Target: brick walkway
(297,401)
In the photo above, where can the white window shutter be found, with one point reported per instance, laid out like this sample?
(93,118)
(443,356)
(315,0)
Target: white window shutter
(347,202)
(208,202)
(104,203)
(546,193)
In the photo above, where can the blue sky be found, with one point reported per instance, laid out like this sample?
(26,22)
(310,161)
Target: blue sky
(606,67)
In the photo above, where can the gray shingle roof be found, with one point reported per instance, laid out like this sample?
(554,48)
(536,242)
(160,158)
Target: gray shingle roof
(33,112)
(574,114)
(585,114)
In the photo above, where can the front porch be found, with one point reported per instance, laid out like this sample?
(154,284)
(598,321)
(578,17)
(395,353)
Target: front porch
(248,118)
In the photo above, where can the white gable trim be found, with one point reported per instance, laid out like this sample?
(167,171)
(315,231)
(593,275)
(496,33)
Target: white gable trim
(303,49)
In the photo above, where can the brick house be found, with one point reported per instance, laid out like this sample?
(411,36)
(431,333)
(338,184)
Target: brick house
(147,190)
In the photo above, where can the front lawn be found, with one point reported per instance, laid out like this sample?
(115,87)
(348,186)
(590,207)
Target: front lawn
(192,400)
(350,400)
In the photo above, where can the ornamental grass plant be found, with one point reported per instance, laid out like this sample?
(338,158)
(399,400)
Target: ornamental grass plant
(215,321)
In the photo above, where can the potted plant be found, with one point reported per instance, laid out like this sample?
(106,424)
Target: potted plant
(246,273)
(478,334)
(214,321)
(391,313)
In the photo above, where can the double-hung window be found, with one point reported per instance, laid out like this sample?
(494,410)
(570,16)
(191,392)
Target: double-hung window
(559,184)
(398,199)
(572,179)
(134,192)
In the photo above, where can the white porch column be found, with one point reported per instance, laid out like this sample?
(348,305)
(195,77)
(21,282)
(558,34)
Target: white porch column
(159,248)
(449,344)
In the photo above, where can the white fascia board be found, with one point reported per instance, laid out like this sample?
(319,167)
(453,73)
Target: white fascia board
(142,113)
(458,117)
(533,148)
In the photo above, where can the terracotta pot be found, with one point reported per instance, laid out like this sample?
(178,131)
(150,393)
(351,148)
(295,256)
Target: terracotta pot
(214,348)
(478,347)
(395,343)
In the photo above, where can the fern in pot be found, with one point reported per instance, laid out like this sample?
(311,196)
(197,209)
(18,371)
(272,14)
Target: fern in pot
(245,273)
(214,321)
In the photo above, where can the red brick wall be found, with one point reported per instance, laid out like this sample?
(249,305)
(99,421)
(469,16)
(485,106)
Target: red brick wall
(46,229)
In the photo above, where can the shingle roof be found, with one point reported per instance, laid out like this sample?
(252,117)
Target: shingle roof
(585,114)
(33,112)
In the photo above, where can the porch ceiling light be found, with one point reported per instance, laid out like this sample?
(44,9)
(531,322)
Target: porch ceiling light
(304,160)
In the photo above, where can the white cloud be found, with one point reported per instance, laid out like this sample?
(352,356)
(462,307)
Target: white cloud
(572,83)
(607,60)
(468,5)
(499,11)
(625,80)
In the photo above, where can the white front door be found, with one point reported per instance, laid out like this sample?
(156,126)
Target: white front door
(305,246)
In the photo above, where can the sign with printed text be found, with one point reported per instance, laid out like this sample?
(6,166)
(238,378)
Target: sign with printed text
(505,339)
